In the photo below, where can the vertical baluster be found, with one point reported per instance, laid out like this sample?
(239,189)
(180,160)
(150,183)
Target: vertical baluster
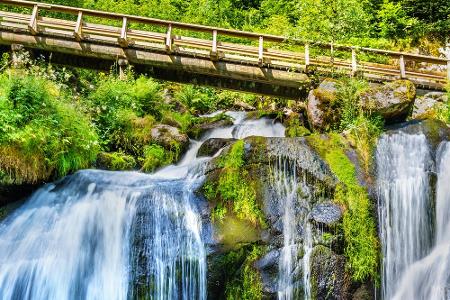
(261,51)
(123,42)
(214,54)
(307,62)
(32,26)
(448,63)
(402,67)
(354,62)
(169,39)
(78,34)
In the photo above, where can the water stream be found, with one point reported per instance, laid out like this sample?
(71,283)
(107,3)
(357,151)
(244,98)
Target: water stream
(296,231)
(403,162)
(429,278)
(115,235)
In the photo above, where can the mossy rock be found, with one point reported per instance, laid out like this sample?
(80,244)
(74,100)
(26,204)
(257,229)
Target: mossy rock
(322,108)
(115,161)
(328,277)
(431,106)
(295,126)
(394,100)
(211,146)
(204,124)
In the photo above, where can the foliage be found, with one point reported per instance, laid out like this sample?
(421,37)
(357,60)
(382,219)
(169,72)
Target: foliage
(198,99)
(42,134)
(235,189)
(361,129)
(393,20)
(246,285)
(359,224)
(156,156)
(115,161)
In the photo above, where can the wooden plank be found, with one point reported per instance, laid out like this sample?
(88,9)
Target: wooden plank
(78,33)
(32,27)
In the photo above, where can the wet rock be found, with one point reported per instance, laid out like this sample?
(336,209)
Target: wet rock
(241,105)
(169,137)
(327,274)
(268,268)
(211,146)
(393,100)
(428,105)
(326,214)
(434,130)
(364,292)
(206,124)
(322,108)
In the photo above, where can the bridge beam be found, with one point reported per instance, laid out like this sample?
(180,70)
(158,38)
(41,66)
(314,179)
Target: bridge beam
(168,66)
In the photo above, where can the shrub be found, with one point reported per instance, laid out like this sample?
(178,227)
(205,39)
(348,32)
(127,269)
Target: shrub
(156,156)
(41,133)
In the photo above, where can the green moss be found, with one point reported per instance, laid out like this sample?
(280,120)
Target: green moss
(235,189)
(246,283)
(360,234)
(294,128)
(116,161)
(156,156)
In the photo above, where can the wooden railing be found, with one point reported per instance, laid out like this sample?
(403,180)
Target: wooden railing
(424,70)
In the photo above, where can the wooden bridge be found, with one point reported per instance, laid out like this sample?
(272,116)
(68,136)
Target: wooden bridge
(226,58)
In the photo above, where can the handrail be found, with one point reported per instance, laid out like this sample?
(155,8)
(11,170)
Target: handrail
(218,30)
(126,37)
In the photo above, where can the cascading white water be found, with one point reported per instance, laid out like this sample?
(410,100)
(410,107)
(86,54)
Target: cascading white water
(115,235)
(429,278)
(403,205)
(294,216)
(68,242)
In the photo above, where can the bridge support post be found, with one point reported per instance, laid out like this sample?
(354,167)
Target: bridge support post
(19,56)
(123,63)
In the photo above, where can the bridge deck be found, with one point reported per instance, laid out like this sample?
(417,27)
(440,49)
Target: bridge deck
(261,67)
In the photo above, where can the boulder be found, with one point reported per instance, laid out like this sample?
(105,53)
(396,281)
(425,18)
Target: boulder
(325,214)
(169,137)
(393,100)
(211,146)
(322,108)
(328,278)
(429,105)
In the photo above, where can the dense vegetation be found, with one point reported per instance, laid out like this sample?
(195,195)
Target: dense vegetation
(379,23)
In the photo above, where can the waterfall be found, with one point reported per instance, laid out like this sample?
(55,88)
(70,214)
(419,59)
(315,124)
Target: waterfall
(115,235)
(429,277)
(403,205)
(294,210)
